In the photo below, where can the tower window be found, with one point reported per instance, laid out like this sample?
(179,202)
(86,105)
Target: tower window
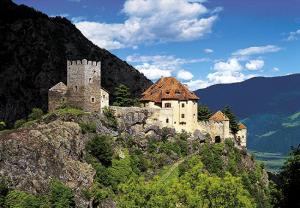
(92,99)
(182,115)
(167,105)
(76,88)
(90,80)
(167,120)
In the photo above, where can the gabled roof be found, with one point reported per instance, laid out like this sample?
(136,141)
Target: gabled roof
(219,116)
(242,126)
(168,88)
(59,87)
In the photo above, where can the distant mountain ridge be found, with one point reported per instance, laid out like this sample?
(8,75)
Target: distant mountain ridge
(34,49)
(280,95)
(270,108)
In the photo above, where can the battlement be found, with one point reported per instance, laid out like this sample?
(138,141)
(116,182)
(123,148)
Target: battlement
(83,62)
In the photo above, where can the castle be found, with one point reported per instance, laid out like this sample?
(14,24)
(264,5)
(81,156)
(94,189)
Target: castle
(168,103)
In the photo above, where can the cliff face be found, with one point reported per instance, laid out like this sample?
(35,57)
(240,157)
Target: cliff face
(31,157)
(33,53)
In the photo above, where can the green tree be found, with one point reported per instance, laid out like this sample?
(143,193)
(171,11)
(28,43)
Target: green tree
(20,199)
(19,123)
(35,114)
(100,147)
(2,125)
(61,196)
(203,113)
(232,119)
(123,97)
(290,180)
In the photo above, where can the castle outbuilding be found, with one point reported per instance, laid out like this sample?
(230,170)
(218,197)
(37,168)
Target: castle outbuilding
(83,89)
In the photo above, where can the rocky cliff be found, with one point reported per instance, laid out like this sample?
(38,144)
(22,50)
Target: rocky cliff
(33,53)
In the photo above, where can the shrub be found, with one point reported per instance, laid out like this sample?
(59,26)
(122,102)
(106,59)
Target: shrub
(22,199)
(35,114)
(70,110)
(88,127)
(100,147)
(19,123)
(111,119)
(60,195)
(3,191)
(2,125)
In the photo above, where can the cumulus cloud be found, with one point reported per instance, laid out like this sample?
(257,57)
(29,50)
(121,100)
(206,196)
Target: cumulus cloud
(208,50)
(256,50)
(222,77)
(149,21)
(196,84)
(230,65)
(255,64)
(153,67)
(184,75)
(295,35)
(153,72)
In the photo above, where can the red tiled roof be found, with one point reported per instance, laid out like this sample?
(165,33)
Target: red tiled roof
(242,126)
(168,88)
(219,116)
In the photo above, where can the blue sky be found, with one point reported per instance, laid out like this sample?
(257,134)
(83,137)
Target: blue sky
(201,42)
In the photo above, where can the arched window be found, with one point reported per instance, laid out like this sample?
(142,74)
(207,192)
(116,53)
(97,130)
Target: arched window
(76,88)
(167,120)
(92,99)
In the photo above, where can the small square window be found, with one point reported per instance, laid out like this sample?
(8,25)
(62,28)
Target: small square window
(182,105)
(182,115)
(167,120)
(167,105)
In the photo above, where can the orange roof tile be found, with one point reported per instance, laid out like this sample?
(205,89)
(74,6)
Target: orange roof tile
(242,126)
(219,116)
(168,88)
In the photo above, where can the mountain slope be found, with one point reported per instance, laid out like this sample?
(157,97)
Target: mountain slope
(268,106)
(34,49)
(280,95)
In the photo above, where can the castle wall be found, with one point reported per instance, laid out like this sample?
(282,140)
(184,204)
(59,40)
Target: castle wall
(214,129)
(104,99)
(242,137)
(56,100)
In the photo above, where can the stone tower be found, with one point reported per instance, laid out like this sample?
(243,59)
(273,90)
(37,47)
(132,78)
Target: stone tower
(84,84)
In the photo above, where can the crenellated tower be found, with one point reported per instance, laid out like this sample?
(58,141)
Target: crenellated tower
(83,88)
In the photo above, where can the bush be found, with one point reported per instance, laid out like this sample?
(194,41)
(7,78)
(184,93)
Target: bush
(61,196)
(111,119)
(3,191)
(20,199)
(2,125)
(70,110)
(35,114)
(88,127)
(100,147)
(19,123)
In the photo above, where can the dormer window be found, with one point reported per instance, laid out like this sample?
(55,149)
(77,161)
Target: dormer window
(177,92)
(168,92)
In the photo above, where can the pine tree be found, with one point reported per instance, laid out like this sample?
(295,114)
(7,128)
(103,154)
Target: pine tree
(203,113)
(123,96)
(233,122)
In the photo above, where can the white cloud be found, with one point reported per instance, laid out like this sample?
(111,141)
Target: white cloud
(295,35)
(255,64)
(276,69)
(78,19)
(222,77)
(151,21)
(196,84)
(230,65)
(184,75)
(208,50)
(257,50)
(153,72)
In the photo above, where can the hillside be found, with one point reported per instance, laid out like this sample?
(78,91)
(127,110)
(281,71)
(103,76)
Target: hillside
(268,106)
(275,95)
(72,157)
(33,53)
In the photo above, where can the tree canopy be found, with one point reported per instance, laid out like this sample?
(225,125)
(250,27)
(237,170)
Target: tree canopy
(233,122)
(204,113)
(123,97)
